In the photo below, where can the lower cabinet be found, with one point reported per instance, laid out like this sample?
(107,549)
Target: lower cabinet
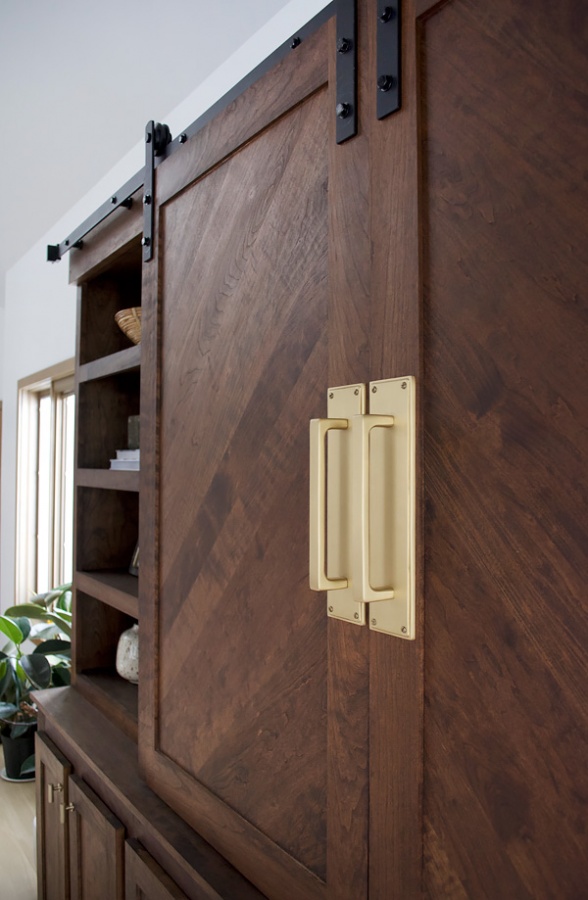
(52,779)
(82,853)
(145,879)
(96,846)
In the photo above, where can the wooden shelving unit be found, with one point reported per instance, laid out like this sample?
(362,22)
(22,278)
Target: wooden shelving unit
(107,516)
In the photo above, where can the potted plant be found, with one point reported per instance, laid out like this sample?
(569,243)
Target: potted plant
(22,672)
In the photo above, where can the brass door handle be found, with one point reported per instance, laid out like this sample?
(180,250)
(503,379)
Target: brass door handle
(361,429)
(317,522)
(370,509)
(53,789)
(69,807)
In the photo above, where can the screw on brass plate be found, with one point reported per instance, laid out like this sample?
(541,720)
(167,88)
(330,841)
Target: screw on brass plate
(356,391)
(404,629)
(374,390)
(330,609)
(331,395)
(356,615)
(404,385)
(374,621)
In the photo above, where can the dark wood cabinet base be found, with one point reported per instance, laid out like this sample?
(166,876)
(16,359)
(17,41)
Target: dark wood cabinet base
(105,759)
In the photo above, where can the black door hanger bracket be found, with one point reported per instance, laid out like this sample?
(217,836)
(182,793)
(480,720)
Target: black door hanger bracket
(346,107)
(388,58)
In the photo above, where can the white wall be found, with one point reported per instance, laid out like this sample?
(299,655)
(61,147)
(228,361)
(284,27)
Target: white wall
(39,319)
(1,352)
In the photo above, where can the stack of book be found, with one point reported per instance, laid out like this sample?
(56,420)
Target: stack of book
(126,459)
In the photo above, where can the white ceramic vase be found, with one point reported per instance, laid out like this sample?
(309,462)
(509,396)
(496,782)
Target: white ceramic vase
(127,654)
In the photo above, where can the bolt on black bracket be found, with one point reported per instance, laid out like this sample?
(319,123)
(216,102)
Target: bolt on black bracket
(388,58)
(122,198)
(346,108)
(166,147)
(157,137)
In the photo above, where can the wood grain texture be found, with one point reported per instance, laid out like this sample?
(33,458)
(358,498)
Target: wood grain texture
(396,666)
(52,768)
(110,243)
(107,761)
(227,544)
(113,696)
(108,479)
(96,846)
(99,300)
(145,879)
(117,589)
(97,627)
(103,409)
(273,95)
(505,453)
(107,527)
(350,245)
(125,360)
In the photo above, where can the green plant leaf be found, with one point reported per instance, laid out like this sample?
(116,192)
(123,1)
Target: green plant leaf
(24,624)
(61,676)
(6,676)
(7,710)
(45,630)
(19,729)
(54,647)
(57,599)
(63,619)
(38,670)
(28,766)
(11,629)
(31,610)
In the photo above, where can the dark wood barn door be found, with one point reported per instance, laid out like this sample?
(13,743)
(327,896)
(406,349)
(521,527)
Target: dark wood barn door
(445,242)
(503,140)
(256,716)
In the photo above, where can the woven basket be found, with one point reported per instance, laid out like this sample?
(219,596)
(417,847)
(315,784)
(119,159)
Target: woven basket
(129,321)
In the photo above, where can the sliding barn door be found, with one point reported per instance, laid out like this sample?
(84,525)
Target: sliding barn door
(254,727)
(446,242)
(504,134)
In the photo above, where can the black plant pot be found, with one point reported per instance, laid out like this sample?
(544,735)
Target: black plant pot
(16,751)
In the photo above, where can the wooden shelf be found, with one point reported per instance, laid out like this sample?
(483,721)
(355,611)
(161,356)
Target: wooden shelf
(108,479)
(113,696)
(127,360)
(115,588)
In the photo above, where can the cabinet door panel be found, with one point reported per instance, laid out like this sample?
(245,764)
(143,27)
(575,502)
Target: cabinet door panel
(236,715)
(144,877)
(506,330)
(52,777)
(96,840)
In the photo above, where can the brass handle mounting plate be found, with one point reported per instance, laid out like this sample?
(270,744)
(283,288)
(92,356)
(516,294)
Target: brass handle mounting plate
(363,506)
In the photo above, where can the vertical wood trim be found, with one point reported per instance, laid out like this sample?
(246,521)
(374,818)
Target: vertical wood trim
(396,666)
(149,501)
(348,328)
(76,642)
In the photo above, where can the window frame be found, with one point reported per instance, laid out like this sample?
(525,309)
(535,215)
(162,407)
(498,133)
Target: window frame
(56,382)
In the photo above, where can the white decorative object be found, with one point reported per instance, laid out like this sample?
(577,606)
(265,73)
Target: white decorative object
(127,654)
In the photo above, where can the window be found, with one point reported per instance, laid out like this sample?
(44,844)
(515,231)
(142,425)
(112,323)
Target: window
(46,428)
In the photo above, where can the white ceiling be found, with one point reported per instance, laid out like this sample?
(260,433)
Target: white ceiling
(78,82)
